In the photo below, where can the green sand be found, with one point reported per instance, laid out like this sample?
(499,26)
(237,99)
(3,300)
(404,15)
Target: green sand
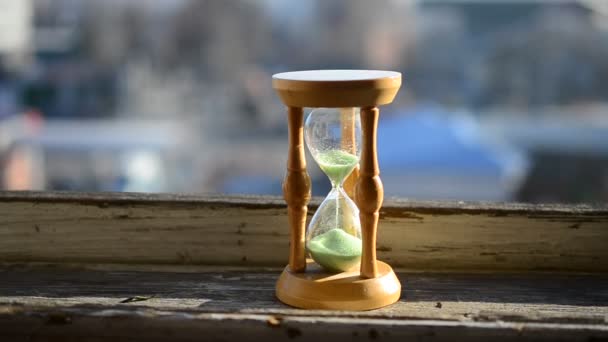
(337,164)
(335,250)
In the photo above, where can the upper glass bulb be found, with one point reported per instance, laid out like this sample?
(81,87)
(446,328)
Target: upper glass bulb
(332,136)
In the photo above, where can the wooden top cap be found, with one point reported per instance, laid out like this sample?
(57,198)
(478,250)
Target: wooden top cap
(337,88)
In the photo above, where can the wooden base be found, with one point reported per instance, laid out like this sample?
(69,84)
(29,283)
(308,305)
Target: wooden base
(317,289)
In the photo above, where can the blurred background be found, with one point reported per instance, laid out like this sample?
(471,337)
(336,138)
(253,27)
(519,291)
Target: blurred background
(501,100)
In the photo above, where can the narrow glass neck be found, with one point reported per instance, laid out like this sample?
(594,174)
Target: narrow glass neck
(336,192)
(336,185)
(337,174)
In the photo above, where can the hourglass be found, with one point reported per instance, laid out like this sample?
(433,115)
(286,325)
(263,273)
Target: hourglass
(342,271)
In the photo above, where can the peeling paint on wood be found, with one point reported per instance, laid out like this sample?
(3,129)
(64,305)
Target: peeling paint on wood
(252,230)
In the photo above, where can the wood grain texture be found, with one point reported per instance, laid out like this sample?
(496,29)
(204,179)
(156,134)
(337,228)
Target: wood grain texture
(337,88)
(40,303)
(369,191)
(296,190)
(253,230)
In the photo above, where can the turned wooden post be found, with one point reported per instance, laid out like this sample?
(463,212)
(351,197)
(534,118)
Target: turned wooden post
(369,191)
(296,189)
(348,139)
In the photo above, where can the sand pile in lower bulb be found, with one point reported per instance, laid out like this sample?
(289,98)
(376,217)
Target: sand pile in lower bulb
(335,250)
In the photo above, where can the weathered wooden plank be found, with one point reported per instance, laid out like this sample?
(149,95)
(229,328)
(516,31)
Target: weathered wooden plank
(543,297)
(91,324)
(216,230)
(58,303)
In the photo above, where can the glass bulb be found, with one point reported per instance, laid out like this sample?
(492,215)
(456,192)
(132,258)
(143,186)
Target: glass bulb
(333,238)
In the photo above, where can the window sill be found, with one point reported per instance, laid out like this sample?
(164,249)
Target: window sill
(469,270)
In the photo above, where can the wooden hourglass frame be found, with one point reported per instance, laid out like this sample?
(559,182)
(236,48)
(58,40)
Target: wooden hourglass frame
(303,283)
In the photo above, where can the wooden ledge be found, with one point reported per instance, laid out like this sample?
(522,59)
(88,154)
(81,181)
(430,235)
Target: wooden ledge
(42,303)
(252,231)
(105,199)
(507,271)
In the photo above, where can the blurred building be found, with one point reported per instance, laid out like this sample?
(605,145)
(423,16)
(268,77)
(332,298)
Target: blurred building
(486,83)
